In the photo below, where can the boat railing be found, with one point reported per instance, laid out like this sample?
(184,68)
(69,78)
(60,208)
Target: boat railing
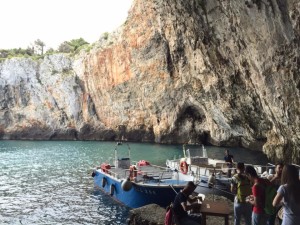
(158,177)
(151,165)
(148,172)
(268,169)
(298,166)
(207,170)
(111,172)
(153,173)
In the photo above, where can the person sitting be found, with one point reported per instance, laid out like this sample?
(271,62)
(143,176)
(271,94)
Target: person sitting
(181,206)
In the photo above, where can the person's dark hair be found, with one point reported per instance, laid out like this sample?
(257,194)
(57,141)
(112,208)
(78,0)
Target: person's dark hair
(290,176)
(240,166)
(191,184)
(280,163)
(190,187)
(251,171)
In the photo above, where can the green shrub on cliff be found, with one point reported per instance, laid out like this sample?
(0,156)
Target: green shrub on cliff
(72,46)
(36,51)
(16,52)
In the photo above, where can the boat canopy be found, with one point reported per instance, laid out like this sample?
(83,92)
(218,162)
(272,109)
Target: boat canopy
(123,163)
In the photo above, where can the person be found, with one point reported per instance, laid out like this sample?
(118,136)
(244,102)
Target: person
(229,161)
(241,187)
(276,181)
(259,217)
(288,195)
(181,206)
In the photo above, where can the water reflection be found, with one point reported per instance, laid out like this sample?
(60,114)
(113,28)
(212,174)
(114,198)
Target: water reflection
(50,183)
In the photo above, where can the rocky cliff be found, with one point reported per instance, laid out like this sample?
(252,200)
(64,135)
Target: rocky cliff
(220,72)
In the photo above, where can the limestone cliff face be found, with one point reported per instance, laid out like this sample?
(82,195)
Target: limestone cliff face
(42,100)
(215,72)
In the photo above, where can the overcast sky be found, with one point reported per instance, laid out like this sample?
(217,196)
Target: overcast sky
(56,21)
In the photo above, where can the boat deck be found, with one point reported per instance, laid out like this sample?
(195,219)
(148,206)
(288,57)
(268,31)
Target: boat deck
(146,174)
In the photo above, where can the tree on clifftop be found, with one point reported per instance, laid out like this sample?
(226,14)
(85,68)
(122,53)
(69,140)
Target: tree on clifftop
(65,47)
(39,46)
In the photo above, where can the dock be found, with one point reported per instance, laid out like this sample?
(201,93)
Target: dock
(155,215)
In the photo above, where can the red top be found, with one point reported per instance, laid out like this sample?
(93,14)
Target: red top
(258,191)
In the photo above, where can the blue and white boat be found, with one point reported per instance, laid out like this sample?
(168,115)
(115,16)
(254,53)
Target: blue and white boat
(137,184)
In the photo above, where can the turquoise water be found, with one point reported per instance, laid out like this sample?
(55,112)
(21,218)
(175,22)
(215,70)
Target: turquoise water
(49,182)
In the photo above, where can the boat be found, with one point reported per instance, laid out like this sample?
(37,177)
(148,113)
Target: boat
(201,169)
(136,184)
(208,172)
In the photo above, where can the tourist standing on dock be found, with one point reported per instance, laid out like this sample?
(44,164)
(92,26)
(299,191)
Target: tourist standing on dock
(288,195)
(241,187)
(229,161)
(181,206)
(257,199)
(276,179)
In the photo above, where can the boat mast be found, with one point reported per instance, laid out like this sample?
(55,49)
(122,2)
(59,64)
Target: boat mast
(116,153)
(128,151)
(204,152)
(183,149)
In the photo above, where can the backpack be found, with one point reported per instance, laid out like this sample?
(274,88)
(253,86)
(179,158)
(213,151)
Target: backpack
(243,187)
(169,215)
(270,192)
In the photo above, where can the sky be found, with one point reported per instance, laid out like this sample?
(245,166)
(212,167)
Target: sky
(56,21)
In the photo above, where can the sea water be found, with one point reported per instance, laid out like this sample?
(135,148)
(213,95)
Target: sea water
(49,182)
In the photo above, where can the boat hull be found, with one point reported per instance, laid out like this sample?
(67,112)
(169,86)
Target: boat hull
(140,194)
